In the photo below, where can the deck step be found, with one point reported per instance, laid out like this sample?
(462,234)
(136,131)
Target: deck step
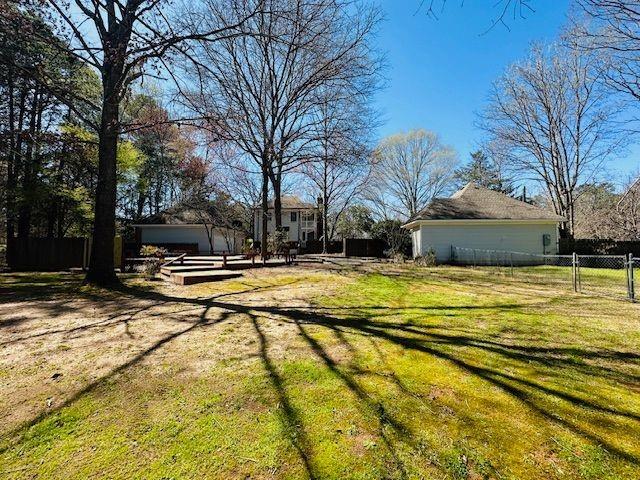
(190,278)
(189,268)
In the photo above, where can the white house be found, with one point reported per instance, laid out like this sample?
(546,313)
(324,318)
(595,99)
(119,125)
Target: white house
(182,228)
(299,218)
(479,218)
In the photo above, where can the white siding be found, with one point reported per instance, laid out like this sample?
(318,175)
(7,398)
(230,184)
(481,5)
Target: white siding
(525,238)
(416,242)
(188,234)
(295,228)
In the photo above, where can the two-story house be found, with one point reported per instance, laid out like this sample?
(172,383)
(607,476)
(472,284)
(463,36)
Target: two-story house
(299,218)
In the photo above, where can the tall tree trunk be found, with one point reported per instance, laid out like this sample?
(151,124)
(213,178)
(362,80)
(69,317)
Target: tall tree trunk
(572,217)
(17,158)
(265,210)
(101,265)
(29,170)
(11,179)
(140,203)
(58,209)
(276,183)
(324,204)
(277,204)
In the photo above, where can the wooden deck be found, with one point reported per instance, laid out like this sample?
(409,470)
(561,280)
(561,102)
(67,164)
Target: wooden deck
(201,276)
(190,269)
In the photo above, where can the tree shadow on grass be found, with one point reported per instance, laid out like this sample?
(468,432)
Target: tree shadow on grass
(291,421)
(384,417)
(524,390)
(201,321)
(535,395)
(540,398)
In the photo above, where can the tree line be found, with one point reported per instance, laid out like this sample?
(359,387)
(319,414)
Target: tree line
(116,110)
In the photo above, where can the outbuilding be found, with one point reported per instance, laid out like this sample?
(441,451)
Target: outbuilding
(478,218)
(187,229)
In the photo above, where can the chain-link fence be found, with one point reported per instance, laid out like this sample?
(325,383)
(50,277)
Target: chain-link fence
(609,275)
(603,275)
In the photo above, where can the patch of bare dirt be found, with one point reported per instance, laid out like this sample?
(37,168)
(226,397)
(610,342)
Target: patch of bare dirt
(54,348)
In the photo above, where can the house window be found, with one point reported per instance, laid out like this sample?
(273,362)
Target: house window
(268,216)
(308,217)
(286,229)
(294,217)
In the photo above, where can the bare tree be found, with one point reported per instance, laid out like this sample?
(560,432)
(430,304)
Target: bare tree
(261,90)
(555,122)
(410,169)
(595,211)
(342,166)
(504,10)
(123,40)
(614,31)
(628,211)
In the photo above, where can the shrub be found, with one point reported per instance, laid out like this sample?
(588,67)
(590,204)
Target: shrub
(151,266)
(278,241)
(153,261)
(396,238)
(248,246)
(153,251)
(396,257)
(426,260)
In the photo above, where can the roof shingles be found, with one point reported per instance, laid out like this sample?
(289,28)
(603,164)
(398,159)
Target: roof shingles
(478,203)
(290,202)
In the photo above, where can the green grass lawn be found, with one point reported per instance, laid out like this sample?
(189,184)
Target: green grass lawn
(443,373)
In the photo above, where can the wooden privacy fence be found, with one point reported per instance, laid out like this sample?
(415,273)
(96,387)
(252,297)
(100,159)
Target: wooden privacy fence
(53,254)
(315,246)
(590,246)
(45,254)
(363,247)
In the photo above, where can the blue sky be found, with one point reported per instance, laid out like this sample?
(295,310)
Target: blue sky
(440,70)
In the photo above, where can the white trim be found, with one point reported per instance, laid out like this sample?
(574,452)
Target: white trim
(259,209)
(177,225)
(480,221)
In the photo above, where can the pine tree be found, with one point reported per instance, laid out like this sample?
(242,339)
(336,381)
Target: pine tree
(484,172)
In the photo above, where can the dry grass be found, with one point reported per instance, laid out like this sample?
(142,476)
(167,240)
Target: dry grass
(294,373)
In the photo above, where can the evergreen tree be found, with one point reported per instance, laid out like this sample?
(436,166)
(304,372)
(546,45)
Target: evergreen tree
(486,173)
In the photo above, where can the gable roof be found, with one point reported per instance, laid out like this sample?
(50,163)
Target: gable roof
(628,192)
(291,202)
(479,203)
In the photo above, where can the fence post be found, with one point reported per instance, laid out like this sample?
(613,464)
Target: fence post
(630,279)
(511,259)
(474,258)
(574,271)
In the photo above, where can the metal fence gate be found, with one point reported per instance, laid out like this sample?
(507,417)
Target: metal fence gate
(607,275)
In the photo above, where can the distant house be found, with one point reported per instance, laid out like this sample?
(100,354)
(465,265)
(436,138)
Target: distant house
(183,228)
(479,218)
(299,218)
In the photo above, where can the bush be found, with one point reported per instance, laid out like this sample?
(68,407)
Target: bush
(249,246)
(396,257)
(396,238)
(153,261)
(151,266)
(426,260)
(278,241)
(153,251)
